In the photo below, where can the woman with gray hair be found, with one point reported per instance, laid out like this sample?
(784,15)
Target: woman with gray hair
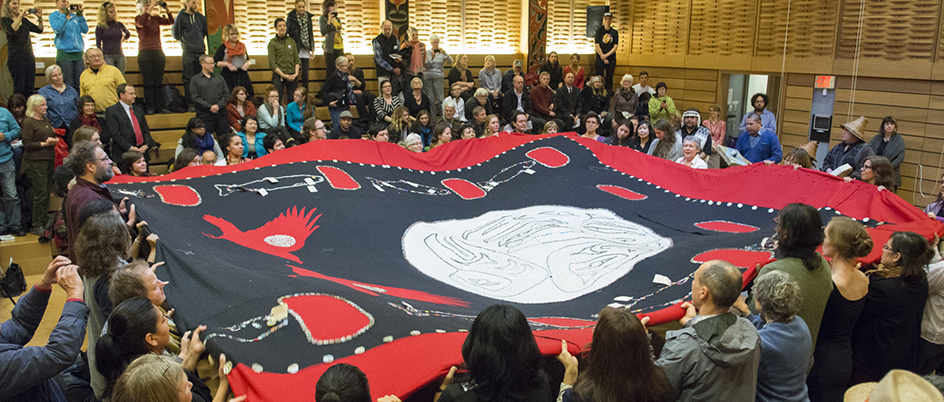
(60,98)
(787,347)
(434,74)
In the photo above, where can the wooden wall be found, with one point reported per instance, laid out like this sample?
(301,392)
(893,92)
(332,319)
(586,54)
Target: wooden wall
(899,67)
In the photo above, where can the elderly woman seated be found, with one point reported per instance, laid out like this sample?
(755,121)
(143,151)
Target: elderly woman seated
(690,154)
(786,345)
(413,142)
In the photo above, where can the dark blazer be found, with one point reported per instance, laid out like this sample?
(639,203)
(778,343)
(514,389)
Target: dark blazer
(294,29)
(510,103)
(119,128)
(568,103)
(359,74)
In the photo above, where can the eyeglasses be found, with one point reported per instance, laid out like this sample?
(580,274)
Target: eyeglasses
(887,247)
(866,167)
(103,159)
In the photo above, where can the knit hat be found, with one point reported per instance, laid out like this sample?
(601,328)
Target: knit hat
(896,386)
(857,127)
(693,112)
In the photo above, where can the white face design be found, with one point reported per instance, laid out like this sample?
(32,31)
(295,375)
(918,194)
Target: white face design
(538,254)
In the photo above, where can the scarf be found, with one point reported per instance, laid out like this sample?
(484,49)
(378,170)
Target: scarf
(275,113)
(90,121)
(204,143)
(304,21)
(239,49)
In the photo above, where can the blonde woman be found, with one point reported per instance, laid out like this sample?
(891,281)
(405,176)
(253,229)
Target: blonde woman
(233,58)
(490,78)
(460,74)
(110,34)
(39,144)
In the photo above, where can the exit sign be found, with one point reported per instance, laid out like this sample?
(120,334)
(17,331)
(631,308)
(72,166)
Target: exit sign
(825,82)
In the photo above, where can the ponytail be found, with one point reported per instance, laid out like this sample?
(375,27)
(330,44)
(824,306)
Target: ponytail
(127,327)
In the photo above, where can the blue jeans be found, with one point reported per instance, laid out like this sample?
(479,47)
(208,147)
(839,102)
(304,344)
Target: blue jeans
(10,213)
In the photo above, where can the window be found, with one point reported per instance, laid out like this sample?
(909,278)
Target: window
(469,26)
(567,26)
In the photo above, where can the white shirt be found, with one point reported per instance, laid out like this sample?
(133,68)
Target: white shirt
(697,163)
(932,325)
(639,89)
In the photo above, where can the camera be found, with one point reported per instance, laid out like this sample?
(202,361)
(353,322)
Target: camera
(162,4)
(33,11)
(74,7)
(437,50)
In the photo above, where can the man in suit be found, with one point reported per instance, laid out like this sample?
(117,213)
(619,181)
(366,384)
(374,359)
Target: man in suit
(567,102)
(518,100)
(126,125)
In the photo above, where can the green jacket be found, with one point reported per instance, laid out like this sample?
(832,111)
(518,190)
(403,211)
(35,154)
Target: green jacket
(283,54)
(656,111)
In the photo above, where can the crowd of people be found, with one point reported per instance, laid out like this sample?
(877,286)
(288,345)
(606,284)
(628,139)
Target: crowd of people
(808,329)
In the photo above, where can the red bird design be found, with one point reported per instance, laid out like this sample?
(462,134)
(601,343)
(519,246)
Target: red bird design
(279,237)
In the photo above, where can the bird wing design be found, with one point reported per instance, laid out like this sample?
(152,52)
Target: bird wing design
(279,237)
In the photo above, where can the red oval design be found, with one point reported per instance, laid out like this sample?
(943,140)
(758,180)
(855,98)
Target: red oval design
(180,195)
(740,258)
(328,319)
(622,192)
(549,157)
(726,227)
(338,179)
(464,188)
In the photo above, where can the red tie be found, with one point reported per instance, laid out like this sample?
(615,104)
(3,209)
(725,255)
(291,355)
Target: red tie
(138,137)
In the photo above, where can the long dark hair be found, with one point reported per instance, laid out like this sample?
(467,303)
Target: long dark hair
(915,254)
(184,158)
(342,383)
(888,119)
(882,171)
(188,140)
(620,346)
(800,229)
(615,139)
(666,142)
(128,325)
(502,357)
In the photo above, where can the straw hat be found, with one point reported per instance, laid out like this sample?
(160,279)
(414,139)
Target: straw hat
(896,386)
(857,127)
(810,148)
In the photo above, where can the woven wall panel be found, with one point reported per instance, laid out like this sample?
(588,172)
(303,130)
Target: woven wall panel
(622,21)
(891,29)
(812,28)
(483,26)
(660,27)
(722,27)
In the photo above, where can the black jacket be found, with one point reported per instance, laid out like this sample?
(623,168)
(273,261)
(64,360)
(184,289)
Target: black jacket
(568,103)
(119,128)
(510,103)
(294,29)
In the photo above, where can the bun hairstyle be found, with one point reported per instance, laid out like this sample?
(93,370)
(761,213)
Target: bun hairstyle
(849,238)
(342,383)
(128,325)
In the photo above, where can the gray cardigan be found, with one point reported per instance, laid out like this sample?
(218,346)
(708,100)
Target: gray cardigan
(894,151)
(328,31)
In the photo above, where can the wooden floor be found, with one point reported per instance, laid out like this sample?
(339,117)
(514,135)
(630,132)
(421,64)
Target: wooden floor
(50,319)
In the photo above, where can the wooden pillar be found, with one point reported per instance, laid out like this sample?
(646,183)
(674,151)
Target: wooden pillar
(537,33)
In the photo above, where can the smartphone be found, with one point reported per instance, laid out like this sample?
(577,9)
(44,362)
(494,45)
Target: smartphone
(437,50)
(162,3)
(74,7)
(33,11)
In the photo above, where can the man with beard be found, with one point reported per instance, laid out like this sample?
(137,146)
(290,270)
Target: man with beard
(691,125)
(767,118)
(92,168)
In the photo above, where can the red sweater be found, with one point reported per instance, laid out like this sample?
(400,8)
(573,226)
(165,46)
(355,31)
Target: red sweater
(541,99)
(149,30)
